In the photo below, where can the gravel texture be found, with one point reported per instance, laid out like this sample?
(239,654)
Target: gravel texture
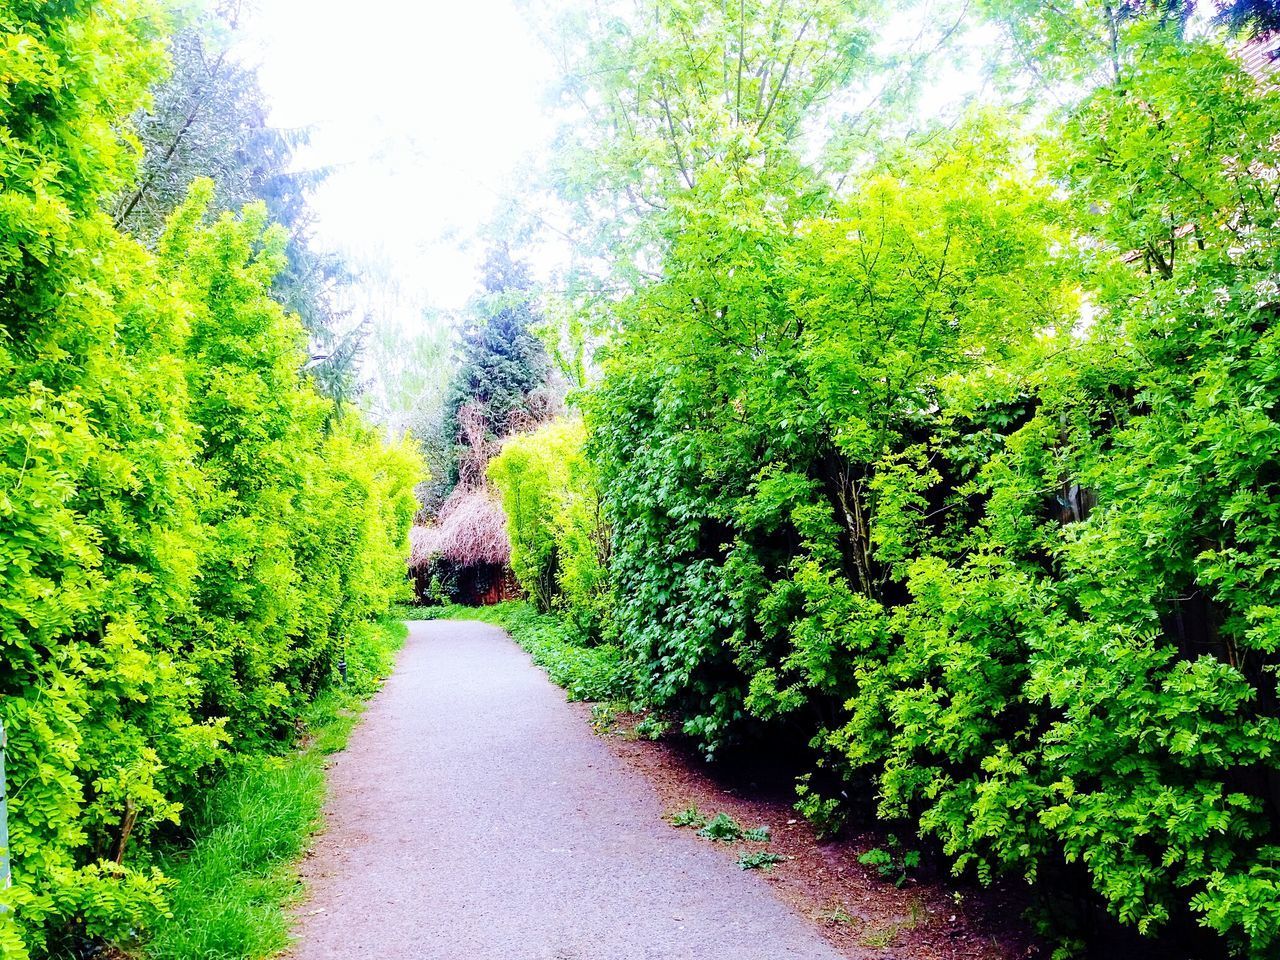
(474,816)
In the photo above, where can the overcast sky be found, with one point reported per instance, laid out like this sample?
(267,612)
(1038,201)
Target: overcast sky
(424,109)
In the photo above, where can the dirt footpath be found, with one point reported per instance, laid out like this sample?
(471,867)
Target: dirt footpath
(474,816)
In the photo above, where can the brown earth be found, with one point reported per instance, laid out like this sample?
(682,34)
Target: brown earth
(930,917)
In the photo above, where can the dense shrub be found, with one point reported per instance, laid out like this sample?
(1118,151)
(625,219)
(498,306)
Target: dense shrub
(186,533)
(1088,670)
(743,479)
(967,471)
(233,866)
(559,542)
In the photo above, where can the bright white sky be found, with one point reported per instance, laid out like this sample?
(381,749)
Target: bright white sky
(425,109)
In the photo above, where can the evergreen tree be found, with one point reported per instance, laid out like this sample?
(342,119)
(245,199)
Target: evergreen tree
(503,361)
(209,119)
(1251,18)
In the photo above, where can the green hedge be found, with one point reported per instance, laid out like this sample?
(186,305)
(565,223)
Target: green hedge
(233,869)
(188,533)
(969,474)
(559,540)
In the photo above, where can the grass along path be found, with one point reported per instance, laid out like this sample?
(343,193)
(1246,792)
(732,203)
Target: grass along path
(236,879)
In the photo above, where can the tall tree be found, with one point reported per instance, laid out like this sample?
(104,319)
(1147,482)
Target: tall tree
(210,118)
(503,362)
(660,95)
(878,483)
(1252,18)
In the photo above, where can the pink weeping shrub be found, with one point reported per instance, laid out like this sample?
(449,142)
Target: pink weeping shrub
(470,530)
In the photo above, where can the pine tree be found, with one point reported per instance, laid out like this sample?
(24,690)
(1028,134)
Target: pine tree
(503,361)
(209,118)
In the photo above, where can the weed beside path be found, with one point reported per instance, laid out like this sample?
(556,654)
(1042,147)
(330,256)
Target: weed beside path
(237,875)
(859,911)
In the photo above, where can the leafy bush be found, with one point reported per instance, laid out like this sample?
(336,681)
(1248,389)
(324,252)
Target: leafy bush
(189,532)
(233,872)
(970,481)
(893,862)
(826,814)
(558,537)
(743,479)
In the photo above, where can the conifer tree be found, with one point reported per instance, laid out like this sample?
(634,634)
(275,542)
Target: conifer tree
(503,361)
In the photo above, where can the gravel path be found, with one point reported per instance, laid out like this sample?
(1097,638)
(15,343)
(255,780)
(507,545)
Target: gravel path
(474,816)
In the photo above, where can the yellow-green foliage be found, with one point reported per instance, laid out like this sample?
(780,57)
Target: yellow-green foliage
(558,537)
(873,480)
(186,533)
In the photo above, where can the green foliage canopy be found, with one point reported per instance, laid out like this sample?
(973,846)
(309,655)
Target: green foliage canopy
(964,471)
(208,119)
(559,543)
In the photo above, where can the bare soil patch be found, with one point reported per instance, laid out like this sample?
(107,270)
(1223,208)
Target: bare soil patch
(930,917)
